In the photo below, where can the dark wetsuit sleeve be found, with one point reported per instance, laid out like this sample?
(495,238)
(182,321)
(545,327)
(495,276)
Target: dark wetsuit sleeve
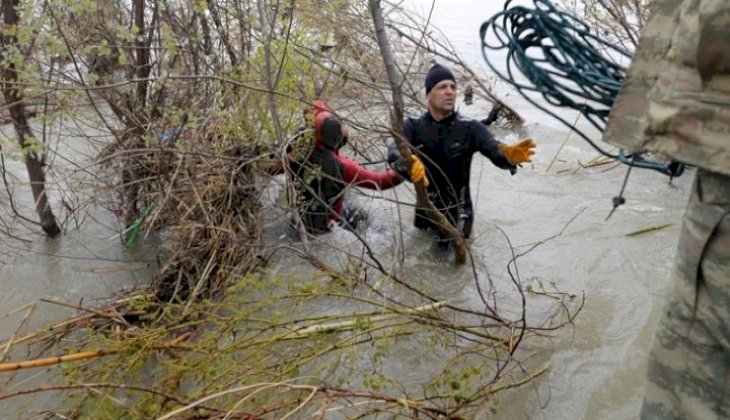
(354,174)
(487,145)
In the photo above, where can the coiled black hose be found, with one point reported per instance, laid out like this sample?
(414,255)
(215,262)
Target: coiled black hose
(564,62)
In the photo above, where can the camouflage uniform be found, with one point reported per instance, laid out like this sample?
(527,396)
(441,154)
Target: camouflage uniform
(676,101)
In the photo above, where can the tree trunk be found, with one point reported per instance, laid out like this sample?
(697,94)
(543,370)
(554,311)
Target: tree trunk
(137,112)
(422,200)
(269,76)
(142,47)
(14,98)
(222,32)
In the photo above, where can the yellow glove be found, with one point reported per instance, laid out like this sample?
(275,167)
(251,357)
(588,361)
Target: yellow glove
(418,172)
(520,152)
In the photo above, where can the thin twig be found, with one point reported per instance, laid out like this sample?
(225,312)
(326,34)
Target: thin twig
(30,306)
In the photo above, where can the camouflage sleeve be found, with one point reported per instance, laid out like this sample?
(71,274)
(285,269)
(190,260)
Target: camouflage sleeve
(675,99)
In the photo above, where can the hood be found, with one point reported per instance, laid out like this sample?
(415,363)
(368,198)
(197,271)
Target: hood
(322,112)
(319,106)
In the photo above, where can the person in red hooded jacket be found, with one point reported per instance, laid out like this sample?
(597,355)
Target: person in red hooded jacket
(323,174)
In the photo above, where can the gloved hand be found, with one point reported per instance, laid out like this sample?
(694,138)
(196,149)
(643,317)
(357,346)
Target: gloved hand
(418,172)
(520,152)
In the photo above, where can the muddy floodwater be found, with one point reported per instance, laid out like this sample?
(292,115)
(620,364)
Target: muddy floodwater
(555,205)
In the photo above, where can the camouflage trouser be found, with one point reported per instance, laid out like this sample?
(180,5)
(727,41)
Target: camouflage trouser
(689,364)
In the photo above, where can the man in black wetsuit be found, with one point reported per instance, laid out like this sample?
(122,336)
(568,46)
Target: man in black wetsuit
(446,141)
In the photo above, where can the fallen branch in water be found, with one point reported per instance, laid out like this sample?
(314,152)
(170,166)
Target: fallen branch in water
(112,314)
(30,307)
(91,386)
(75,321)
(323,392)
(50,361)
(522,381)
(649,229)
(596,162)
(53,328)
(343,325)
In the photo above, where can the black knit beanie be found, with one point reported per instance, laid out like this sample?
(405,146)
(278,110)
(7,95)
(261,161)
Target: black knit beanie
(436,74)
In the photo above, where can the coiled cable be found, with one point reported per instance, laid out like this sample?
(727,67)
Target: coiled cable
(565,62)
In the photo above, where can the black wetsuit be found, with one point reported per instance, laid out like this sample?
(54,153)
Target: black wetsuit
(446,148)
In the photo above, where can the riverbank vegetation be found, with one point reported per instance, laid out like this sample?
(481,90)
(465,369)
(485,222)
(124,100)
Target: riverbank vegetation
(194,101)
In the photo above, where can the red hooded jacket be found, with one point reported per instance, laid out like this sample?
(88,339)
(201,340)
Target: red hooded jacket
(353,174)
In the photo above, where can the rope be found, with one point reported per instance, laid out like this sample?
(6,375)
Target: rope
(565,63)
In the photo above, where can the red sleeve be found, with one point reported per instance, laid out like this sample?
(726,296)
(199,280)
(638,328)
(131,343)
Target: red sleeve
(354,174)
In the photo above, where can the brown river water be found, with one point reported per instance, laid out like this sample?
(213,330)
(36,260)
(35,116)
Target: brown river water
(597,367)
